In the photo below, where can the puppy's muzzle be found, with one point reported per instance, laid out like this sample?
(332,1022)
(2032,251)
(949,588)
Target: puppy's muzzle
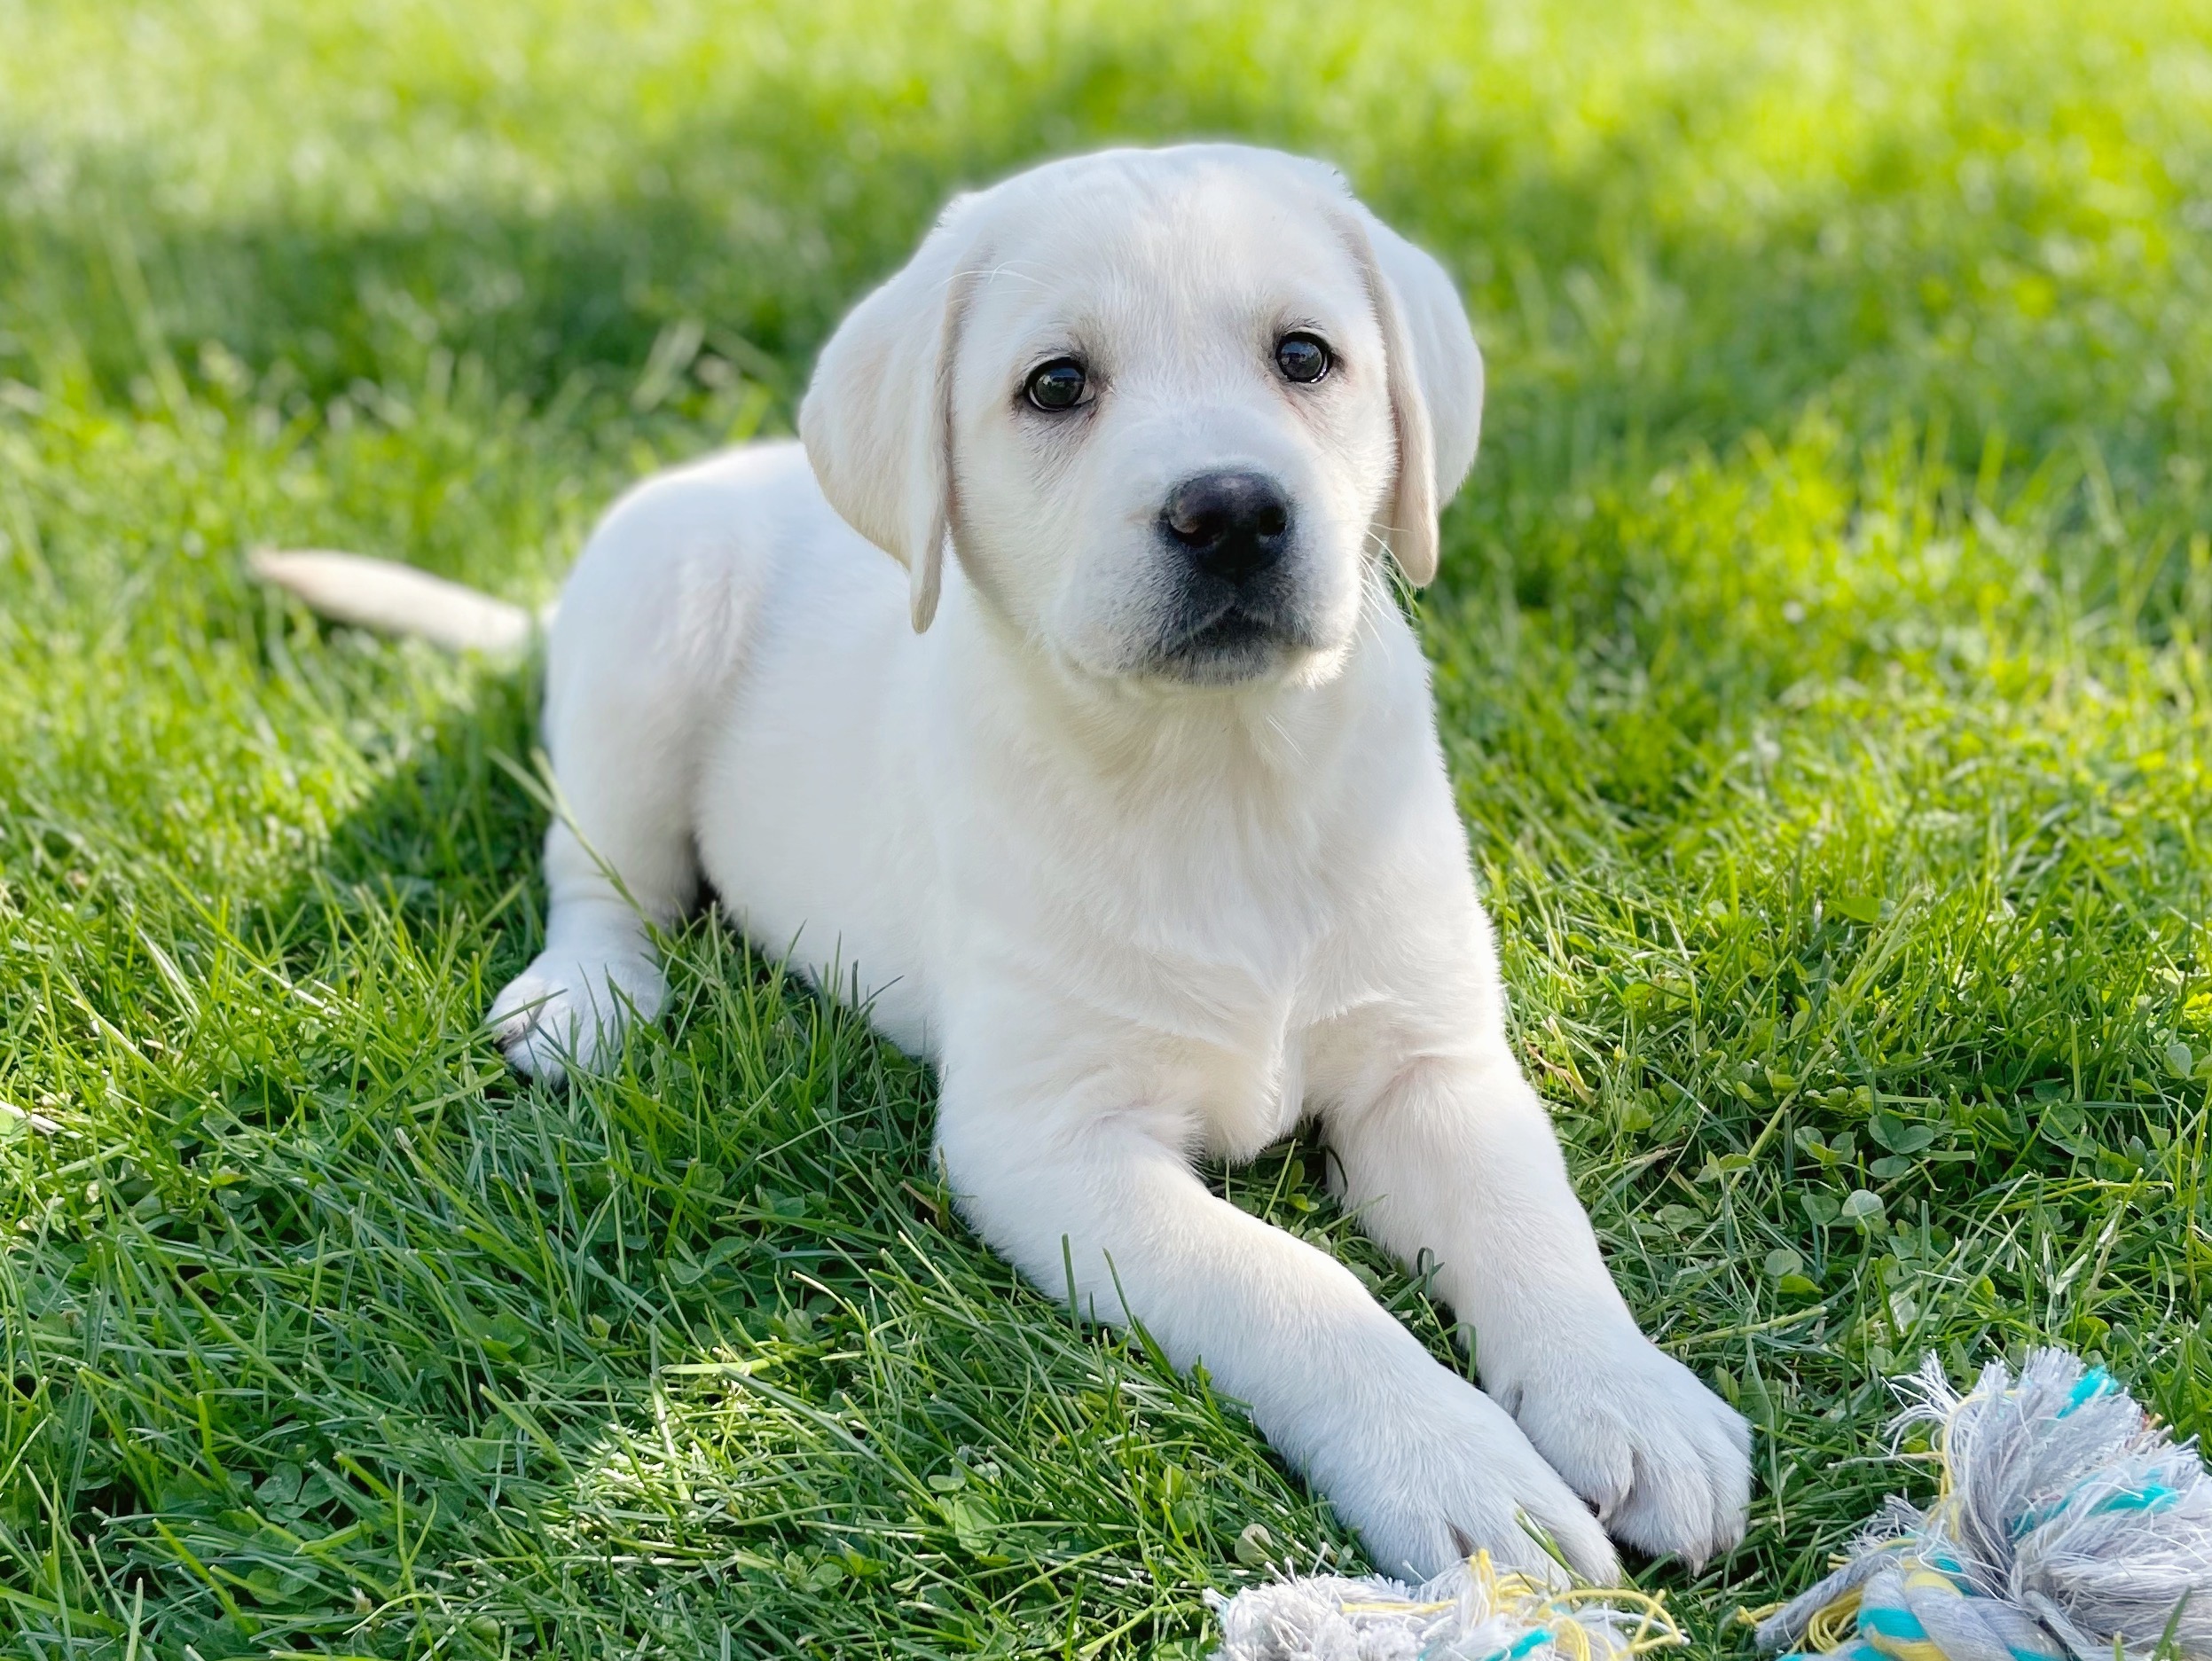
(1239,602)
(1232,525)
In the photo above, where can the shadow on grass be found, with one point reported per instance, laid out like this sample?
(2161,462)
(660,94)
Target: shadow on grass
(1628,324)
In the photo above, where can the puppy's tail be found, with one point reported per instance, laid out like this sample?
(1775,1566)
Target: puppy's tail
(397,599)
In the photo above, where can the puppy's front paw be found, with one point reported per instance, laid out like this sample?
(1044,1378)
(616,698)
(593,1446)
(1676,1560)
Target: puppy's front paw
(1666,1461)
(1426,1485)
(556,1014)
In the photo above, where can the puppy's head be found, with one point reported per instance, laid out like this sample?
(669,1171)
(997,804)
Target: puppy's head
(1168,409)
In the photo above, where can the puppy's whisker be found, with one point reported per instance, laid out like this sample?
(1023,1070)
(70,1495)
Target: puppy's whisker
(1376,595)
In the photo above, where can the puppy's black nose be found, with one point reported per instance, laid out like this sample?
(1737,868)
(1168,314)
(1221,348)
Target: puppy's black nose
(1232,524)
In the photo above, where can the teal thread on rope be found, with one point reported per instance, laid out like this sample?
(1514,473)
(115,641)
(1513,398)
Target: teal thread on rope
(2069,1527)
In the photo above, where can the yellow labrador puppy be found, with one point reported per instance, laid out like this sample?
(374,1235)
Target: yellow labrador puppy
(1124,804)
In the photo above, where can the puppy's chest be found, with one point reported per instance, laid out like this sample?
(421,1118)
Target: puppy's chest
(1211,938)
(1224,996)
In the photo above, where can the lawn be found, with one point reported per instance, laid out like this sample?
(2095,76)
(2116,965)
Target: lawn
(1822,654)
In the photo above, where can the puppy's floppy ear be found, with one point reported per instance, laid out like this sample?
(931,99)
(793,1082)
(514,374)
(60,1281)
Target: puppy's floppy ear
(877,419)
(1435,372)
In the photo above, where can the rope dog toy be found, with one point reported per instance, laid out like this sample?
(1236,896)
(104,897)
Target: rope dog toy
(1469,1613)
(2068,1527)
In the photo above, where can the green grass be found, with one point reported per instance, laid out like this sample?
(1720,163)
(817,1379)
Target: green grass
(1823,656)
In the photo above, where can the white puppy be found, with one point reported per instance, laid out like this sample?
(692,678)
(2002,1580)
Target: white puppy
(1124,805)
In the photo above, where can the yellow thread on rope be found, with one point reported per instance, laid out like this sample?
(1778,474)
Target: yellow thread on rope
(1835,1625)
(1655,1627)
(1394,1609)
(1904,1649)
(1943,1449)
(1544,1607)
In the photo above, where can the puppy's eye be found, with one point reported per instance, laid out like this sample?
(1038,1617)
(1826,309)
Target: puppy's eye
(1058,385)
(1302,357)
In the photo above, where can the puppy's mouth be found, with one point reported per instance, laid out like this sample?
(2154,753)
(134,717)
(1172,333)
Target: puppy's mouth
(1226,638)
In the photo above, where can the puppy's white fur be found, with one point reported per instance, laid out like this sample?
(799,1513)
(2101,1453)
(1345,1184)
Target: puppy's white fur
(1135,906)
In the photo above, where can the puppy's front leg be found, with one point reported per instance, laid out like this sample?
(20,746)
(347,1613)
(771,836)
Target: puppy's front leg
(1092,1180)
(597,969)
(1456,1157)
(626,700)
